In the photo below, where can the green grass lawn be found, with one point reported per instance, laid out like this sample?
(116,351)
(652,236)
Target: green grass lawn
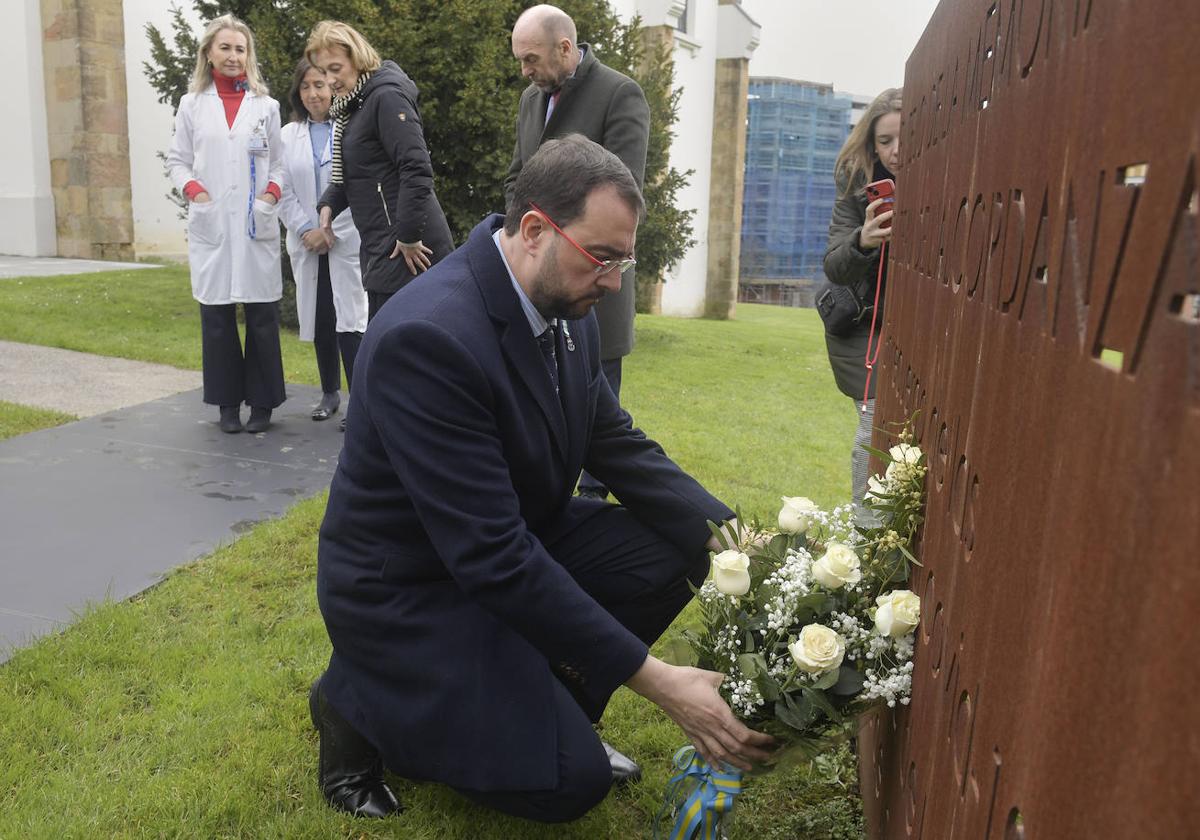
(146,314)
(183,712)
(19,419)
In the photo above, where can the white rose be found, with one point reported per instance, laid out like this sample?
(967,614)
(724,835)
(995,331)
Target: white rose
(875,488)
(904,458)
(837,567)
(897,613)
(818,650)
(796,514)
(731,572)
(905,453)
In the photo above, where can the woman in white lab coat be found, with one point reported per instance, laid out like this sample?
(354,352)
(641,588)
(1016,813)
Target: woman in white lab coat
(226,158)
(330,301)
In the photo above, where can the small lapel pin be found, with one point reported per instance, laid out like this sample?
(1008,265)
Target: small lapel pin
(402,116)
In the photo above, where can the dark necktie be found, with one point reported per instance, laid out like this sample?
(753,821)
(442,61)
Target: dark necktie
(546,342)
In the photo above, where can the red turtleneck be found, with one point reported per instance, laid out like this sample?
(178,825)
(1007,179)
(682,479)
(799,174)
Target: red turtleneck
(232,92)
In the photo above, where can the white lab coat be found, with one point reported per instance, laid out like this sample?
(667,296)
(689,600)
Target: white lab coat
(298,210)
(227,265)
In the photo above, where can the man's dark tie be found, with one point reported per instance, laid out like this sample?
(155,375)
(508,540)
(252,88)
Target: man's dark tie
(546,342)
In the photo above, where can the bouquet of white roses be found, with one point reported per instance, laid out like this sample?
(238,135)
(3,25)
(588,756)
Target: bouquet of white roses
(812,625)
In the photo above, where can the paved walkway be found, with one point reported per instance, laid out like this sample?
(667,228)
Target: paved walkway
(83,384)
(48,266)
(104,507)
(145,482)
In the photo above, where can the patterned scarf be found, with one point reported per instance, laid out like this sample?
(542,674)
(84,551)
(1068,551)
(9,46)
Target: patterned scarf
(342,108)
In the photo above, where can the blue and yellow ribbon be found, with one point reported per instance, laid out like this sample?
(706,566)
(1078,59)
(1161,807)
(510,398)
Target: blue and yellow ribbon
(711,797)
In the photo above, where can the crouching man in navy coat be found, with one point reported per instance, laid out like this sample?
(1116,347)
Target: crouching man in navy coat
(481,616)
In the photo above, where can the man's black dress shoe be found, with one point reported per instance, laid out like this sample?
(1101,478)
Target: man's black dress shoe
(349,770)
(260,420)
(327,407)
(231,420)
(624,768)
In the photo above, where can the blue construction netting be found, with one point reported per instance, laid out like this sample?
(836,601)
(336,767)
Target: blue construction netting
(793,135)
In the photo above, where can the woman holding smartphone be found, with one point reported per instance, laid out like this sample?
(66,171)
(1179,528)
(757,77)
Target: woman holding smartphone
(857,231)
(330,302)
(225,158)
(381,167)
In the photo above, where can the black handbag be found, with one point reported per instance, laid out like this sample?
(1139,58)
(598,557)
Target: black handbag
(841,309)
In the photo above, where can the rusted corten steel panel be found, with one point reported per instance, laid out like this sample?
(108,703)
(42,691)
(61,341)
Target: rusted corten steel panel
(1042,315)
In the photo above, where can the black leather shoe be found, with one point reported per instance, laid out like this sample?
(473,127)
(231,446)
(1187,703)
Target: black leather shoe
(231,419)
(328,406)
(349,770)
(624,769)
(260,420)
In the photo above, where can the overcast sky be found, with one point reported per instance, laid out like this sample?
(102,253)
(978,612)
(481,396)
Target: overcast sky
(859,46)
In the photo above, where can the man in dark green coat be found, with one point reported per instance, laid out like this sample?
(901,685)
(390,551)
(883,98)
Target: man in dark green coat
(571,92)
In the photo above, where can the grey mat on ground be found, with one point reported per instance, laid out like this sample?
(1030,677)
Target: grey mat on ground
(103,507)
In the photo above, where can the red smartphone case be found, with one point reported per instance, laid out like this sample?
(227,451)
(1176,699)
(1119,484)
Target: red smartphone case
(885,189)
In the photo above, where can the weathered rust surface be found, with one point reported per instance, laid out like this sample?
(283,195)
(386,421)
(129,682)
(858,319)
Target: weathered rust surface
(1047,230)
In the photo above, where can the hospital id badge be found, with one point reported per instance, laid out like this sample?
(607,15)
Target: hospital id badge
(258,141)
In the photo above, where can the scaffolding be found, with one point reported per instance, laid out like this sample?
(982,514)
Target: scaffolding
(793,134)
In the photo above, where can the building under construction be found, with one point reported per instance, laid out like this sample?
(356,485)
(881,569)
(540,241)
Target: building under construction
(794,132)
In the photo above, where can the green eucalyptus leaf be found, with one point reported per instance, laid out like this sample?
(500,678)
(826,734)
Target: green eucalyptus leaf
(716,531)
(849,682)
(768,687)
(797,714)
(909,555)
(778,545)
(678,651)
(826,680)
(818,699)
(796,753)
(752,665)
(757,622)
(878,453)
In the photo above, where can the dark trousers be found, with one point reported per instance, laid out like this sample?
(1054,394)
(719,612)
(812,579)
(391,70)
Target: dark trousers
(231,378)
(643,582)
(375,302)
(328,343)
(612,372)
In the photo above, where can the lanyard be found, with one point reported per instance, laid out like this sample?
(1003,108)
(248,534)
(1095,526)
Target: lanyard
(252,228)
(257,146)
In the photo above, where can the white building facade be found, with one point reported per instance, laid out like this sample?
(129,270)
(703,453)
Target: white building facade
(59,152)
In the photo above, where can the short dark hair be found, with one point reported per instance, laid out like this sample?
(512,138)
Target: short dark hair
(562,174)
(299,112)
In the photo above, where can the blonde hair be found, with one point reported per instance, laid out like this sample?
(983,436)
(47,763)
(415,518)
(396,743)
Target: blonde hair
(333,33)
(857,157)
(202,76)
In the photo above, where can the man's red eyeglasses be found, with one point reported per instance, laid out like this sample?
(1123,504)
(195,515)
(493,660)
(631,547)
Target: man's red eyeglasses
(602,266)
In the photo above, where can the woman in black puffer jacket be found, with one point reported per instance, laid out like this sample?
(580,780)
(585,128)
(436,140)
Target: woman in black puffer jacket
(381,167)
(856,232)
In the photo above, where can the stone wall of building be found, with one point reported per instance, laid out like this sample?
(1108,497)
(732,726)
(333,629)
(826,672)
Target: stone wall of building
(725,196)
(83,53)
(737,39)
